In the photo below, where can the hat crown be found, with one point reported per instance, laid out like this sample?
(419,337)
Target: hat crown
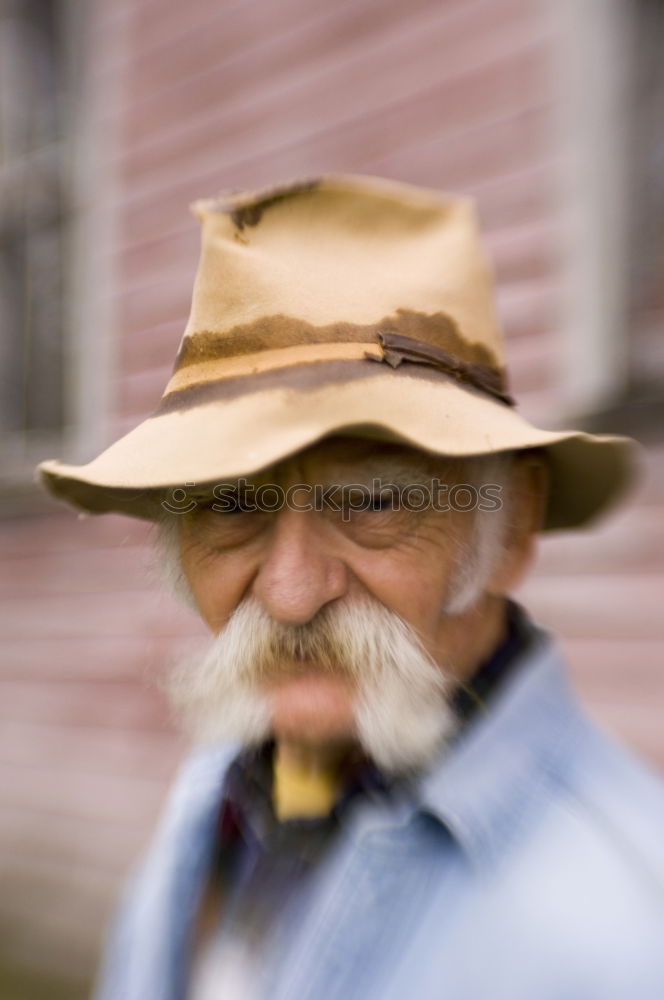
(337,261)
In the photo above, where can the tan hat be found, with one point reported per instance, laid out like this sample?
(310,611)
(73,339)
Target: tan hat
(338,305)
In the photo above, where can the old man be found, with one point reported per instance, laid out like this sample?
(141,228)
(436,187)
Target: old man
(394,792)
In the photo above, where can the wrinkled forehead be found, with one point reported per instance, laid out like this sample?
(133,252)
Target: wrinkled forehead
(342,460)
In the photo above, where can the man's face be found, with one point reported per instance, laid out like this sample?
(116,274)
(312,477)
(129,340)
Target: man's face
(362,544)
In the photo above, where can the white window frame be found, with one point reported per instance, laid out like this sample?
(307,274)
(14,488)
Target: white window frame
(592,93)
(88,319)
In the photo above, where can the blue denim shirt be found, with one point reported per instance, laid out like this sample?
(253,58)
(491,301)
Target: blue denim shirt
(528,864)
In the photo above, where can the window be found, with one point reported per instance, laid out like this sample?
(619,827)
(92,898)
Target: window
(33,218)
(54,347)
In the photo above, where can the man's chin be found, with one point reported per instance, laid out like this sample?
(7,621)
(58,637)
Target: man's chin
(312,709)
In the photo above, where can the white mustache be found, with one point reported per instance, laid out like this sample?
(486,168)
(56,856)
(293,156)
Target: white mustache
(400,710)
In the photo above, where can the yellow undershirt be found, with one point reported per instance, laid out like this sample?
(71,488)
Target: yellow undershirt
(300,792)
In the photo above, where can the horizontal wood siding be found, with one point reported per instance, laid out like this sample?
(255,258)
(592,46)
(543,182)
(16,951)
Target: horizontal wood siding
(454,94)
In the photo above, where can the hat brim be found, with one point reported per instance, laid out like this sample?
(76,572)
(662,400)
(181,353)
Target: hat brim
(224,433)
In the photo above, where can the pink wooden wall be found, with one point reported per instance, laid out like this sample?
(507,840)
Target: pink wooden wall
(455,94)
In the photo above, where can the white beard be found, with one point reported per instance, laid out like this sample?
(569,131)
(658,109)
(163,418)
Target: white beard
(401,714)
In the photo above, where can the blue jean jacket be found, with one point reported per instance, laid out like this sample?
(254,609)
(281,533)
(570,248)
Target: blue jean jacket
(528,864)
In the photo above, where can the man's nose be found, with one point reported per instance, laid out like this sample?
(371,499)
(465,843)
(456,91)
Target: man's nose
(299,574)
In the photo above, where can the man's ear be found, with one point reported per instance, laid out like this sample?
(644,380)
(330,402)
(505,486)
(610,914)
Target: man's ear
(526,503)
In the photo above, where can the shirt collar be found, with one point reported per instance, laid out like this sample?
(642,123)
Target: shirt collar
(475,694)
(484,783)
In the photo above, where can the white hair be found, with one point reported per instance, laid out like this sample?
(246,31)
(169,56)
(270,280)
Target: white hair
(477,557)
(166,566)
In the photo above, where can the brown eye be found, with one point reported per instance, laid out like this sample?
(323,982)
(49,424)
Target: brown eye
(386,500)
(357,502)
(227,521)
(232,502)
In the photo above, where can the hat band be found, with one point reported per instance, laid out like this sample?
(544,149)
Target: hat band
(393,349)
(397,349)
(262,361)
